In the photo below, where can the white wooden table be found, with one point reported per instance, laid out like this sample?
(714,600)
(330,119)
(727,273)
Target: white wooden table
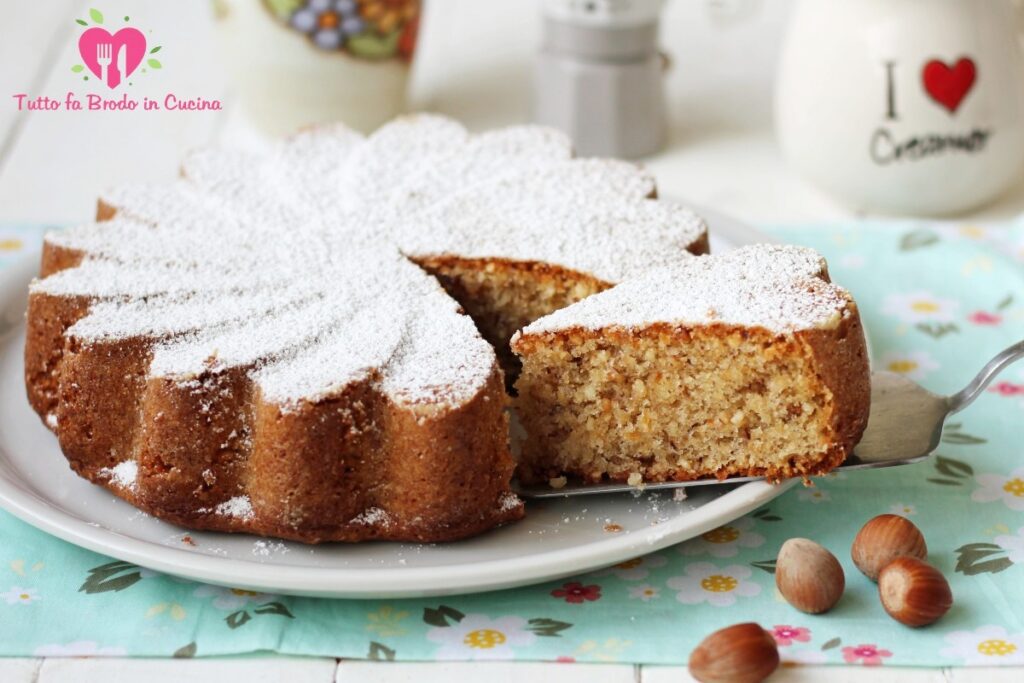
(474,63)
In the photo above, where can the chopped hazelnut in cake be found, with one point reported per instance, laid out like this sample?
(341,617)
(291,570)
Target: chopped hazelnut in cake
(750,363)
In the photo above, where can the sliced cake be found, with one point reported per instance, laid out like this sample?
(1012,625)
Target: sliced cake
(749,363)
(278,342)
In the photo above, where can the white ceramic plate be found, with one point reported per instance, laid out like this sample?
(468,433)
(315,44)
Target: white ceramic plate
(558,537)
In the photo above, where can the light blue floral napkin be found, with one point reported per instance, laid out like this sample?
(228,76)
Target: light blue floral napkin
(937,299)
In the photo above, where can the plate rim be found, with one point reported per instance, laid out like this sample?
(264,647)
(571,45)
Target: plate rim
(363,583)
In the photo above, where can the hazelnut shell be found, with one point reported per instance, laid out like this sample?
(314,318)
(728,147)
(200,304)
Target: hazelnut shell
(883,539)
(809,576)
(913,592)
(742,653)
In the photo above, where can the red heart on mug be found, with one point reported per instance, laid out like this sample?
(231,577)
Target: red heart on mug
(949,85)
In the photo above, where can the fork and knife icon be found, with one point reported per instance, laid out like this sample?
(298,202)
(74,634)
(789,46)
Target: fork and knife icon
(104,57)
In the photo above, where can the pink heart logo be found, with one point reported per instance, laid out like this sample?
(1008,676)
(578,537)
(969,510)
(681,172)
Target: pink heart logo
(107,55)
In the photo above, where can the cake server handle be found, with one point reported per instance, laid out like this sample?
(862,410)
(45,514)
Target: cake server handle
(966,396)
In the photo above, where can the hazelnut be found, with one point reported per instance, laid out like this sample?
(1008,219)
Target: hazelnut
(913,592)
(809,576)
(883,539)
(742,653)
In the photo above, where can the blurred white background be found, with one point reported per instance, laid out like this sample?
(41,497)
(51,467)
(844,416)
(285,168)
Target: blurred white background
(474,62)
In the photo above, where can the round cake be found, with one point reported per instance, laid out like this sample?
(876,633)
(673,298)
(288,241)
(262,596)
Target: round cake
(278,343)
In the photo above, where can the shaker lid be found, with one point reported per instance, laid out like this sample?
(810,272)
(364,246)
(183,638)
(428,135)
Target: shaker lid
(604,13)
(602,30)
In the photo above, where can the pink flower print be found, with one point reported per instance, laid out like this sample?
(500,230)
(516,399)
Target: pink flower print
(785,635)
(984,318)
(576,593)
(1007,389)
(868,655)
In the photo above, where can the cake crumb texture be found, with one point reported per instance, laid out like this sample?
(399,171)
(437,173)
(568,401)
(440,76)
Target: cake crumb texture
(751,363)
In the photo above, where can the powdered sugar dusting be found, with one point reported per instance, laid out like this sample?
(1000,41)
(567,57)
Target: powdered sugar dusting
(373,517)
(509,501)
(294,263)
(598,220)
(779,288)
(238,507)
(124,474)
(265,548)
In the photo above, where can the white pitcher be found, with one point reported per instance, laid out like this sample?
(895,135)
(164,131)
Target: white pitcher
(904,106)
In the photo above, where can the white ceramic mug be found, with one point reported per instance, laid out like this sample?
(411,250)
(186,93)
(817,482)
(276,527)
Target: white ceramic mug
(300,62)
(904,106)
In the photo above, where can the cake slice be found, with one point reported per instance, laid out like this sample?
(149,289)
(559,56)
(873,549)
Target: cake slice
(750,363)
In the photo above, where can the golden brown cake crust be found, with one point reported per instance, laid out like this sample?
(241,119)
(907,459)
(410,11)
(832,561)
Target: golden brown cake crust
(356,467)
(841,358)
(309,474)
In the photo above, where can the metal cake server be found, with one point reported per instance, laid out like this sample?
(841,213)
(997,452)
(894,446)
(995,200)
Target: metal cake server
(905,427)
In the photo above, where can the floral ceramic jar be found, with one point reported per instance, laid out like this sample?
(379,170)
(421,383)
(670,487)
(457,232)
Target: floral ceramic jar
(300,62)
